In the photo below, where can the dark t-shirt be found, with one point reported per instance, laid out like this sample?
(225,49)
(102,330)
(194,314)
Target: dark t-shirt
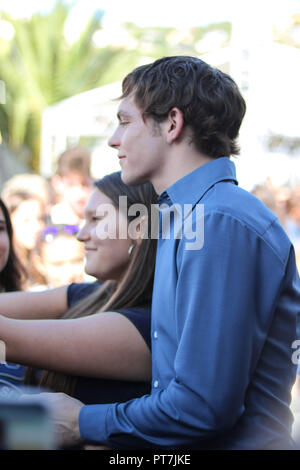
(95,390)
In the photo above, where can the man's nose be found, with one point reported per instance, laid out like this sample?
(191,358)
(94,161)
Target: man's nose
(113,141)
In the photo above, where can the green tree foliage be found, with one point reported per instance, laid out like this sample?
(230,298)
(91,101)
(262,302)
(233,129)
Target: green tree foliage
(40,67)
(290,34)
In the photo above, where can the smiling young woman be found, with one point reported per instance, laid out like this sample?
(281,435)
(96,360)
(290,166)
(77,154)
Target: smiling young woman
(93,337)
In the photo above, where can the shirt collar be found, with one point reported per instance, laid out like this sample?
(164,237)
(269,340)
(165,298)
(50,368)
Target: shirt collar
(191,188)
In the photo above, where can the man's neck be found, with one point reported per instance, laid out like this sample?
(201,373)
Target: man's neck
(176,167)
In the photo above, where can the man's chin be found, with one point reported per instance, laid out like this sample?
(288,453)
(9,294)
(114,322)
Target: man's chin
(132,180)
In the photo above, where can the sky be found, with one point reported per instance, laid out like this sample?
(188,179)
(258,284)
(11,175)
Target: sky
(158,12)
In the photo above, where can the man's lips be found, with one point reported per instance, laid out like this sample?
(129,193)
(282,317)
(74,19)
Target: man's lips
(121,157)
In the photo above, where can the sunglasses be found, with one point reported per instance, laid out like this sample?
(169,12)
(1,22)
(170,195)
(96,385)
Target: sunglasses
(53,230)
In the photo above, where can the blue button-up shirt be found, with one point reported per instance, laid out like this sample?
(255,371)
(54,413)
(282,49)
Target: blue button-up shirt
(224,319)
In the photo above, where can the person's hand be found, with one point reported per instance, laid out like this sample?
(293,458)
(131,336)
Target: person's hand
(65,417)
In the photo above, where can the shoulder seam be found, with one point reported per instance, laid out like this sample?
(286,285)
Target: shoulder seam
(252,229)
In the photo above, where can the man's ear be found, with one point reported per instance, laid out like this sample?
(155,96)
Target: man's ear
(175,124)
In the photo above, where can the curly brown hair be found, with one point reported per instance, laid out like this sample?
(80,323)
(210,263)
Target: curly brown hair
(209,99)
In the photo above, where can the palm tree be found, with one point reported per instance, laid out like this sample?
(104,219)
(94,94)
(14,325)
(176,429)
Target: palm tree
(39,68)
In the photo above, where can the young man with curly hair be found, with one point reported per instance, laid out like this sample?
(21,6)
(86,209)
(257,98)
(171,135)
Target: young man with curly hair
(224,312)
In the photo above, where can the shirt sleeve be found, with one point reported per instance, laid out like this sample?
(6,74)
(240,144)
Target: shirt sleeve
(225,301)
(78,291)
(141,318)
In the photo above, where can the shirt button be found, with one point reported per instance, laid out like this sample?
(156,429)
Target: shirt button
(155,384)
(155,334)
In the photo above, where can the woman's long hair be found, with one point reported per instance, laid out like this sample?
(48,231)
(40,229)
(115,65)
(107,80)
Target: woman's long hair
(13,274)
(135,289)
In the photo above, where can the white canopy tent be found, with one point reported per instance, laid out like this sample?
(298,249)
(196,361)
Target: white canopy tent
(91,115)
(268,75)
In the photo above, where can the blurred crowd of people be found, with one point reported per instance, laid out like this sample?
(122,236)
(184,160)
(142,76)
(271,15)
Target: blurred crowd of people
(46,216)
(285,203)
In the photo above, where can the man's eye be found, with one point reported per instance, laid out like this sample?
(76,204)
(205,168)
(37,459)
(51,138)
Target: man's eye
(124,123)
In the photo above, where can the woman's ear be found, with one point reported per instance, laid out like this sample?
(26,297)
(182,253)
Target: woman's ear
(139,229)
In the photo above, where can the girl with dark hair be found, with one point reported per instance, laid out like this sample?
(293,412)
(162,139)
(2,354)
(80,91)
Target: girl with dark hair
(11,270)
(11,276)
(96,341)
(27,214)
